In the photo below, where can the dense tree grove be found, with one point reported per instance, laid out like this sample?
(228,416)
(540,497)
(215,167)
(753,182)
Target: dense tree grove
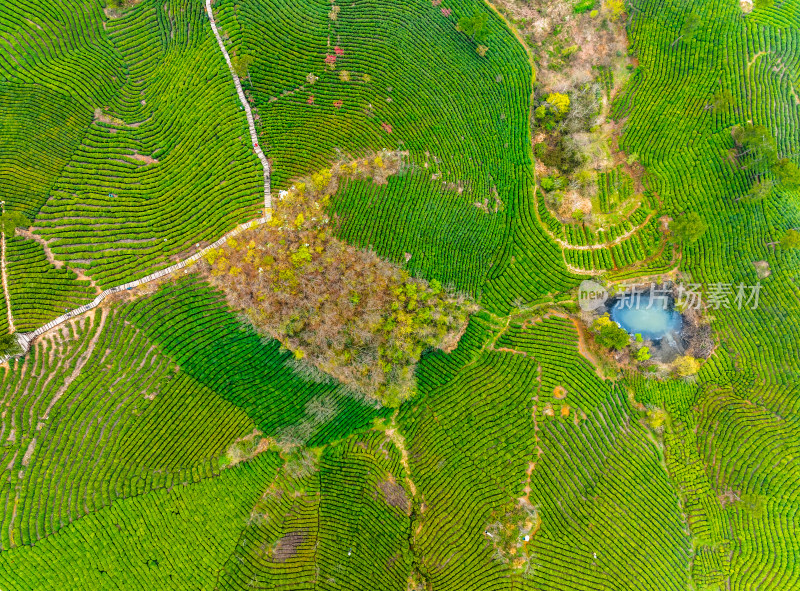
(361,319)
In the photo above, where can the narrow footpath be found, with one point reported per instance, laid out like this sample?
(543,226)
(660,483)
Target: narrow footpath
(248,113)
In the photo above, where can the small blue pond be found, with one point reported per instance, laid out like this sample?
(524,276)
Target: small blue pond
(652,322)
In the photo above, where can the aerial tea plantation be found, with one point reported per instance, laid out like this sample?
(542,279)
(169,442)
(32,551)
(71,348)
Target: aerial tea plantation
(359,295)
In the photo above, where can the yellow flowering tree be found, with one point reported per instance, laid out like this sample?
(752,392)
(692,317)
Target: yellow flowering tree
(559,102)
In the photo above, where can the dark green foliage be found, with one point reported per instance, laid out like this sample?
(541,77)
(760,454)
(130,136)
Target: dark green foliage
(474,26)
(761,189)
(732,421)
(9,345)
(561,155)
(609,334)
(690,26)
(620,507)
(686,150)
(12,220)
(688,227)
(757,148)
(791,239)
(788,174)
(479,428)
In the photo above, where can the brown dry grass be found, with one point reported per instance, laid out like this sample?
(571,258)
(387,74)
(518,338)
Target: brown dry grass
(762,269)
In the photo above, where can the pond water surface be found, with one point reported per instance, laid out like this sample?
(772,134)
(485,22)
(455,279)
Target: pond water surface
(651,321)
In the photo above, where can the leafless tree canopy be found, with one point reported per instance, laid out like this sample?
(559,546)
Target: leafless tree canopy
(345,311)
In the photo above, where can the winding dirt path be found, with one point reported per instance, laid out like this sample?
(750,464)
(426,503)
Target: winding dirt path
(79,363)
(399,442)
(753,60)
(26,338)
(564,244)
(583,348)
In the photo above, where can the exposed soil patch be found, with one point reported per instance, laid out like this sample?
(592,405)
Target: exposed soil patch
(79,363)
(288,545)
(113,12)
(145,159)
(400,443)
(9,316)
(26,459)
(762,269)
(394,494)
(55,262)
(101,117)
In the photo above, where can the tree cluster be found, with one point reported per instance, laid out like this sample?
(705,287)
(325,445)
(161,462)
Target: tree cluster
(11,220)
(687,228)
(9,346)
(356,317)
(756,151)
(609,334)
(686,366)
(241,64)
(474,26)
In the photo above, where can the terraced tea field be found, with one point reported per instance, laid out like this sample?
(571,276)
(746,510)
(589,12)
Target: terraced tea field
(493,155)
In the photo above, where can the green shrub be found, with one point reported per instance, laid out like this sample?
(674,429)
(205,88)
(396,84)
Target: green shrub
(609,334)
(687,228)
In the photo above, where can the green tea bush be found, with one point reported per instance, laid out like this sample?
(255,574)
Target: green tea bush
(175,538)
(474,147)
(38,291)
(673,132)
(348,525)
(167,162)
(98,393)
(190,322)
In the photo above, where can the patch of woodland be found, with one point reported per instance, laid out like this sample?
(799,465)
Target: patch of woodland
(360,319)
(582,60)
